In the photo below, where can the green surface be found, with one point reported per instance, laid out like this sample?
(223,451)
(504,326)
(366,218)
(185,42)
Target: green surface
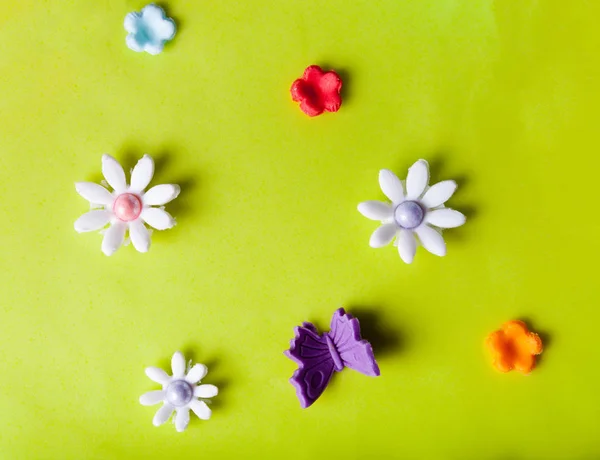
(500,95)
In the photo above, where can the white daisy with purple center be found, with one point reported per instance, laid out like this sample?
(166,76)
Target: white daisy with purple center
(416,212)
(180,393)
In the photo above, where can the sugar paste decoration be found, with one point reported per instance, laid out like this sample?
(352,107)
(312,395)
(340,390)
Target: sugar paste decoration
(319,355)
(149,30)
(180,393)
(514,347)
(415,210)
(127,208)
(317,91)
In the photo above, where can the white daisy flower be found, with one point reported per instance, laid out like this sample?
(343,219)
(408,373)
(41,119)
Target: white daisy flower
(415,209)
(180,393)
(127,208)
(149,29)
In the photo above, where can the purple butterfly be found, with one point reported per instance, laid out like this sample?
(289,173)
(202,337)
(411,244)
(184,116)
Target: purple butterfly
(319,355)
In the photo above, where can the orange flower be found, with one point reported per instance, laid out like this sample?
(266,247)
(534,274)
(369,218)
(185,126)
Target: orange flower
(514,347)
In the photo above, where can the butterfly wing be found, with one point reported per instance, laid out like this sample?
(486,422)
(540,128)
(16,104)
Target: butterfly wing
(310,326)
(315,364)
(355,352)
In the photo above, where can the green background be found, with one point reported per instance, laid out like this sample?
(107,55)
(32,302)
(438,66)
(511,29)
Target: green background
(500,95)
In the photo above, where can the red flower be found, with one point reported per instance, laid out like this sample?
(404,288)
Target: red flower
(317,91)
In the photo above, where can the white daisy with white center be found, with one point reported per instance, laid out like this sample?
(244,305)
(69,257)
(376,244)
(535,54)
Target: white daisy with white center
(180,393)
(415,210)
(127,208)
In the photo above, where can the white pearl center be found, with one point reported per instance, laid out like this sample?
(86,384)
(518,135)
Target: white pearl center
(179,393)
(409,214)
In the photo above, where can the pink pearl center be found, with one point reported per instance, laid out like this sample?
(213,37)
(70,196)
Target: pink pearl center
(127,207)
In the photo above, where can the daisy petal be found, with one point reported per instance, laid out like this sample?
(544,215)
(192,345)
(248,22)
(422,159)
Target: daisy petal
(152,397)
(178,365)
(92,220)
(375,210)
(383,235)
(206,391)
(417,179)
(142,174)
(140,236)
(196,373)
(407,246)
(391,186)
(445,218)
(113,173)
(201,409)
(94,193)
(157,375)
(431,240)
(113,238)
(161,194)
(157,218)
(439,193)
(182,419)
(162,414)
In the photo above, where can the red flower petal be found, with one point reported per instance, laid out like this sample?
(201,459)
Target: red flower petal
(331,85)
(298,90)
(312,74)
(310,108)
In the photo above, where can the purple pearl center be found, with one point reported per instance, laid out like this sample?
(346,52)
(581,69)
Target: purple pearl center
(409,214)
(179,393)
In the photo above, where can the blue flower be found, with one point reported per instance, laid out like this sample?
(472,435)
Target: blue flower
(149,29)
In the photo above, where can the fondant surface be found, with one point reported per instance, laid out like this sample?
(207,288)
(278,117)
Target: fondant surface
(501,96)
